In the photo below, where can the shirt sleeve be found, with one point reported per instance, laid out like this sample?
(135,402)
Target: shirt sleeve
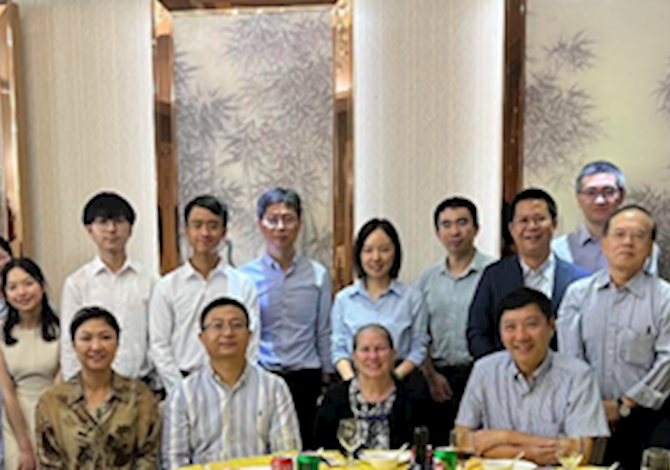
(71,303)
(284,429)
(480,318)
(585,416)
(161,324)
(175,451)
(419,343)
(339,337)
(49,453)
(323,330)
(569,324)
(471,410)
(250,300)
(148,430)
(654,388)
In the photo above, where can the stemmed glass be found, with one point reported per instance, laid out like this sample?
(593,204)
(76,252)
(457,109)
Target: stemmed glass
(350,437)
(462,442)
(655,458)
(570,451)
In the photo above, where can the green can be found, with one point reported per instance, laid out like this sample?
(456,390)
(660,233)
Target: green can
(444,458)
(308,462)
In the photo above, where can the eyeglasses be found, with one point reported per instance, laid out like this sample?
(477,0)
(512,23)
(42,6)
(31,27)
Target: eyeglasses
(273,221)
(376,350)
(609,194)
(217,327)
(538,220)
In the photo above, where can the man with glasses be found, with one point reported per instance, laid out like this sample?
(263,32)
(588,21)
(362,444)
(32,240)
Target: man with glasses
(600,188)
(181,295)
(230,408)
(295,301)
(533,219)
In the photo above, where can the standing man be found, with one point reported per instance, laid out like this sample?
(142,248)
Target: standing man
(618,320)
(448,289)
(601,188)
(181,295)
(533,220)
(113,282)
(295,300)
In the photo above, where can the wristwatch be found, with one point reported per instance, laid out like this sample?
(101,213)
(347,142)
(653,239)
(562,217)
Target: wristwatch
(624,410)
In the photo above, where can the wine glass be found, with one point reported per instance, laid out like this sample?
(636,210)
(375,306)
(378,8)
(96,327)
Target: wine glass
(570,451)
(350,437)
(463,443)
(655,458)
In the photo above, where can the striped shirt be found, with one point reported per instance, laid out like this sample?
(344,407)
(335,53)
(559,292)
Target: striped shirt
(206,421)
(562,397)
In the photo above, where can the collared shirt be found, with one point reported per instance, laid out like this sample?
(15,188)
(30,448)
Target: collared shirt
(623,333)
(295,313)
(561,397)
(400,310)
(127,436)
(4,309)
(204,420)
(174,317)
(448,299)
(542,278)
(126,295)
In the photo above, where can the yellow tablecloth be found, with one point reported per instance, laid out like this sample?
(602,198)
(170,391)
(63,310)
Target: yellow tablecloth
(262,460)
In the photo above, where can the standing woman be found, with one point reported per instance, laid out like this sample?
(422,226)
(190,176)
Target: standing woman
(377,297)
(28,357)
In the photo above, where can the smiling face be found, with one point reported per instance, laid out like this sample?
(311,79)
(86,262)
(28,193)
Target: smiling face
(526,333)
(95,343)
(23,291)
(600,197)
(373,356)
(456,230)
(204,230)
(226,332)
(532,228)
(377,255)
(110,235)
(279,226)
(628,241)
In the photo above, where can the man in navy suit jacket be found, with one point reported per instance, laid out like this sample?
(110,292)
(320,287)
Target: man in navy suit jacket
(532,224)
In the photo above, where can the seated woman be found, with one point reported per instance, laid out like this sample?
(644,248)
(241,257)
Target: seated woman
(388,410)
(97,419)
(378,298)
(28,357)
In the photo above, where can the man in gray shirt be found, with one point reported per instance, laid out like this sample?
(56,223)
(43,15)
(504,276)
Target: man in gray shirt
(523,398)
(448,288)
(618,320)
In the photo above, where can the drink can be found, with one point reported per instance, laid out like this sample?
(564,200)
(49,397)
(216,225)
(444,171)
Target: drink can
(308,462)
(281,462)
(444,458)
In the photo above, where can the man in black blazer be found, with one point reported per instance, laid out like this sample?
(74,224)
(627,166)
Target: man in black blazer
(532,224)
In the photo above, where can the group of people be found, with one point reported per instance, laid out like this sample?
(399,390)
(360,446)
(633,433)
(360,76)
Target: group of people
(568,336)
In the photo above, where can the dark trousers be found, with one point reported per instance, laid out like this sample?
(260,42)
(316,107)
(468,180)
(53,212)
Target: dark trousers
(305,387)
(644,428)
(444,414)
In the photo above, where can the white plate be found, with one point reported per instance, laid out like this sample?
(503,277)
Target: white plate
(506,463)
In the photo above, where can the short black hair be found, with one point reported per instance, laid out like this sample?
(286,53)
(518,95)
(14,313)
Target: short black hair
(365,231)
(525,296)
(210,203)
(222,302)
(377,327)
(600,166)
(93,313)
(277,196)
(534,193)
(629,207)
(105,206)
(456,202)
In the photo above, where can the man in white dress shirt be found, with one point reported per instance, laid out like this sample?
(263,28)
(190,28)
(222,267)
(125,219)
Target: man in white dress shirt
(181,295)
(111,281)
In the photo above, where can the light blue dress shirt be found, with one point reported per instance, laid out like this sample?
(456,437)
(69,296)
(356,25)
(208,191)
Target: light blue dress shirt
(295,313)
(400,310)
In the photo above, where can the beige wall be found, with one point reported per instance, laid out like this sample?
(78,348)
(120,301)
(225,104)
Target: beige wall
(428,116)
(89,108)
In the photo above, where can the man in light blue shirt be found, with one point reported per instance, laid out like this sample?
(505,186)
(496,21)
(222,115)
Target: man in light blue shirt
(295,300)
(448,288)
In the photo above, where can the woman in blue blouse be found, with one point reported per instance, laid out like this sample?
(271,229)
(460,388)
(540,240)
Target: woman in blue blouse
(377,297)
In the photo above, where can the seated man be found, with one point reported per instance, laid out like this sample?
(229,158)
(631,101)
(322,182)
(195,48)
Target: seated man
(523,398)
(231,408)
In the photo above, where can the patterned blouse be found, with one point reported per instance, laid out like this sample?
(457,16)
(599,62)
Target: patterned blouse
(373,418)
(126,435)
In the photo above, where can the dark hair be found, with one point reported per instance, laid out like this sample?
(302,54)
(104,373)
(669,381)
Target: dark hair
(456,202)
(222,302)
(4,244)
(628,208)
(600,166)
(49,320)
(277,196)
(365,231)
(93,313)
(525,296)
(534,193)
(105,206)
(373,326)
(210,203)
